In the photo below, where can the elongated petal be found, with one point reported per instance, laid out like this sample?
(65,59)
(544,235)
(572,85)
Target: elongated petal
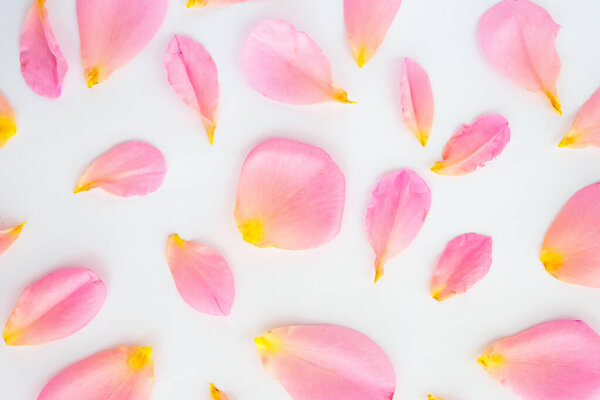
(286,65)
(571,248)
(290,195)
(327,362)
(586,127)
(193,74)
(473,145)
(42,63)
(216,394)
(8,236)
(517,37)
(399,205)
(130,169)
(207,3)
(123,373)
(56,306)
(113,32)
(8,126)
(367,22)
(466,259)
(201,275)
(556,360)
(417,100)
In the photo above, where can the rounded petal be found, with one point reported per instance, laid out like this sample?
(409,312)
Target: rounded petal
(290,195)
(417,100)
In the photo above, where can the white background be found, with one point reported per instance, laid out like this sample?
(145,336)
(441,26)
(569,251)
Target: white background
(433,346)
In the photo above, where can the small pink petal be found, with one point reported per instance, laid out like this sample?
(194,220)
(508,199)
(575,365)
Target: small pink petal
(8,236)
(417,100)
(42,63)
(586,127)
(8,126)
(130,169)
(367,22)
(571,248)
(327,362)
(193,74)
(54,307)
(123,373)
(556,360)
(290,195)
(216,394)
(466,259)
(202,276)
(473,145)
(113,32)
(286,65)
(518,37)
(399,205)
(206,3)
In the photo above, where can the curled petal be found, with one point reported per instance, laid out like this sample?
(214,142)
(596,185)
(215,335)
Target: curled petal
(325,362)
(42,63)
(417,100)
(130,169)
(286,65)
(56,306)
(201,275)
(473,145)
(399,205)
(193,74)
(586,127)
(517,37)
(216,394)
(123,373)
(206,3)
(8,236)
(113,32)
(556,360)
(571,248)
(290,195)
(8,126)
(466,259)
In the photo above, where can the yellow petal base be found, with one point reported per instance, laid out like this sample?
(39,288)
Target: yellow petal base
(554,100)
(216,394)
(438,166)
(83,187)
(140,358)
(422,138)
(253,231)
(8,129)
(341,95)
(265,345)
(195,3)
(92,77)
(570,140)
(491,361)
(552,260)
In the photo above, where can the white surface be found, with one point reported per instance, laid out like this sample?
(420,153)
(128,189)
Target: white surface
(433,346)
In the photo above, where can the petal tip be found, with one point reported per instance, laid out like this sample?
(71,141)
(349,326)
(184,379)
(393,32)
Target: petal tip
(552,260)
(437,167)
(10,337)
(253,231)
(342,96)
(568,140)
(423,139)
(82,187)
(554,100)
(378,273)
(361,56)
(195,3)
(488,361)
(140,357)
(91,78)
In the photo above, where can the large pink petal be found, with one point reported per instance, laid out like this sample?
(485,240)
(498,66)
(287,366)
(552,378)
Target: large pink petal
(201,275)
(397,210)
(327,362)
(571,248)
(8,236)
(417,100)
(473,145)
(123,373)
(586,127)
(42,63)
(56,306)
(193,74)
(130,169)
(206,3)
(286,65)
(8,126)
(367,22)
(466,259)
(518,37)
(290,195)
(113,32)
(556,360)
(216,394)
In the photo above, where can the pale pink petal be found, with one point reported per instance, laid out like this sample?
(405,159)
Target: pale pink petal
(397,210)
(206,3)
(130,169)
(518,37)
(113,32)
(474,145)
(8,236)
(586,127)
(54,307)
(286,65)
(367,22)
(193,74)
(123,373)
(556,360)
(466,259)
(42,63)
(327,362)
(290,195)
(8,126)
(417,100)
(202,276)
(571,248)
(216,394)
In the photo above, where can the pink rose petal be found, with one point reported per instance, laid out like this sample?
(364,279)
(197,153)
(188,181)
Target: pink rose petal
(8,126)
(417,100)
(586,127)
(8,236)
